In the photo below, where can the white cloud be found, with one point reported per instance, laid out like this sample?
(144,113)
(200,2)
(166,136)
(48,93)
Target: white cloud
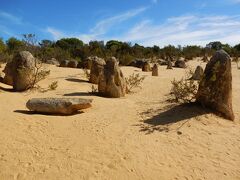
(10,17)
(56,34)
(104,25)
(100,29)
(180,30)
(185,30)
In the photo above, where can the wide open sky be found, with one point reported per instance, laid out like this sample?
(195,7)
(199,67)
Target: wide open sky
(147,22)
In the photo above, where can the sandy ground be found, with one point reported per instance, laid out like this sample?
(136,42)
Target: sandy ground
(140,136)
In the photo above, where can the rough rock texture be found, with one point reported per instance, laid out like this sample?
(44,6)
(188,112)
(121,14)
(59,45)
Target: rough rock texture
(64,63)
(215,88)
(137,63)
(155,70)
(180,64)
(8,70)
(72,64)
(52,61)
(112,82)
(198,74)
(162,62)
(146,67)
(96,70)
(1,77)
(64,106)
(87,63)
(169,65)
(20,71)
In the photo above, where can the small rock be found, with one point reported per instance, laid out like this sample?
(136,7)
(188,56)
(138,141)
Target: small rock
(180,64)
(64,63)
(72,64)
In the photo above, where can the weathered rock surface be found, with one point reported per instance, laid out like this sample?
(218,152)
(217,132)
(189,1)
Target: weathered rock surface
(87,63)
(155,70)
(169,65)
(112,82)
(146,67)
(215,88)
(96,70)
(180,64)
(8,71)
(24,73)
(64,106)
(64,63)
(20,71)
(137,63)
(53,61)
(72,64)
(198,74)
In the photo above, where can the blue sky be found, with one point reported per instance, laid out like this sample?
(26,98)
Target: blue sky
(147,22)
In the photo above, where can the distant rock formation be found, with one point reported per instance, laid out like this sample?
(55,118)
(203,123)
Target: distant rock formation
(72,64)
(146,67)
(64,63)
(155,70)
(180,64)
(53,61)
(169,65)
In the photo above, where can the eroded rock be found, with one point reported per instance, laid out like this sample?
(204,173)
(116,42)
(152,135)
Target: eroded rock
(155,70)
(215,88)
(96,70)
(64,106)
(112,82)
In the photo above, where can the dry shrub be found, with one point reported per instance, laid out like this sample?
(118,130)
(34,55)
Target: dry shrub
(94,89)
(134,81)
(184,90)
(53,86)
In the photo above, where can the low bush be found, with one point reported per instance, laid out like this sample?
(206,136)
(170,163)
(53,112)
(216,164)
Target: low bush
(134,81)
(184,90)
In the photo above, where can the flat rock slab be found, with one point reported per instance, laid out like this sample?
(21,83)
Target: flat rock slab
(63,106)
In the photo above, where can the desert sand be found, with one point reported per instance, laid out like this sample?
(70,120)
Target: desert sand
(140,136)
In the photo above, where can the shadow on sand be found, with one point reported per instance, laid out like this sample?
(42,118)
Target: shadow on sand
(76,80)
(45,114)
(79,94)
(161,122)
